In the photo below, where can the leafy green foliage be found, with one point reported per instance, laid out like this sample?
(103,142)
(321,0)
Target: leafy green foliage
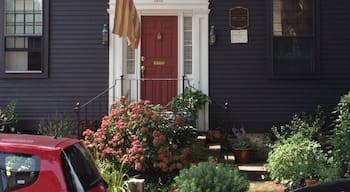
(241,140)
(340,137)
(242,143)
(296,157)
(308,125)
(210,177)
(58,125)
(189,100)
(8,115)
(297,151)
(116,177)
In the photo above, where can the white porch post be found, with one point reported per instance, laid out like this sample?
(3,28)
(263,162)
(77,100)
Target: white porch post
(201,63)
(116,58)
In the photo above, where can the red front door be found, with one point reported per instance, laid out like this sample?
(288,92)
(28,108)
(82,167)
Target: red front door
(159,58)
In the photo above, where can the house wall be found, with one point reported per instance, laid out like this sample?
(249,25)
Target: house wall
(78,64)
(239,75)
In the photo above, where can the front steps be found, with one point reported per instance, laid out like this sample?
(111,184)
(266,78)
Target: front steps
(203,148)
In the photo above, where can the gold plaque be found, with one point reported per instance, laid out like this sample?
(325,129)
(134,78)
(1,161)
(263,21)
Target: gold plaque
(158,62)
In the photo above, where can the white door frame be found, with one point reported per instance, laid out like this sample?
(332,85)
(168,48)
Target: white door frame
(198,10)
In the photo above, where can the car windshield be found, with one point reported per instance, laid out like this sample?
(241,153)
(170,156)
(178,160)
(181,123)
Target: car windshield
(80,170)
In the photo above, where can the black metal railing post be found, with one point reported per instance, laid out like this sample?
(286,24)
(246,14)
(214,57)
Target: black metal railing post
(121,84)
(183,85)
(77,111)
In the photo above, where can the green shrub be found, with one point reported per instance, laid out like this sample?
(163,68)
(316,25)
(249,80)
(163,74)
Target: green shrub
(310,126)
(294,158)
(58,125)
(210,177)
(8,116)
(340,137)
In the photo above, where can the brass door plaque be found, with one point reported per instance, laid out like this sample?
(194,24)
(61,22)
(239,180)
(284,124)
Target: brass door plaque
(158,62)
(239,17)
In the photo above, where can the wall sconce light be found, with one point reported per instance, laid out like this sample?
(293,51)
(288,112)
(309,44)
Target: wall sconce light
(212,36)
(105,34)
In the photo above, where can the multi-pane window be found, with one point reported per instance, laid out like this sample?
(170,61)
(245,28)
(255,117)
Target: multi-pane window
(294,50)
(187,45)
(24,40)
(130,59)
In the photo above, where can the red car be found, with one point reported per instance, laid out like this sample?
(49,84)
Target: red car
(30,163)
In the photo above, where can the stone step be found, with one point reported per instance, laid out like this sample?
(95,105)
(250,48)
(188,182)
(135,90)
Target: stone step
(254,171)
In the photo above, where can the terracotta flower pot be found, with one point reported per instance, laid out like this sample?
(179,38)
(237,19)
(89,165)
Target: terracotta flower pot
(242,155)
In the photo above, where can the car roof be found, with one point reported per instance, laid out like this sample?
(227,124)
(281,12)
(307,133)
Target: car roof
(36,141)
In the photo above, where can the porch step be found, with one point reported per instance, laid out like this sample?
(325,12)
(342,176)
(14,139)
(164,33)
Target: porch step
(254,171)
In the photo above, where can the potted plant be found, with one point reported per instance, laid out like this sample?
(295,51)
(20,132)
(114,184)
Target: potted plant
(241,145)
(189,103)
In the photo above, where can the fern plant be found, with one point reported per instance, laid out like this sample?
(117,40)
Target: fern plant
(208,176)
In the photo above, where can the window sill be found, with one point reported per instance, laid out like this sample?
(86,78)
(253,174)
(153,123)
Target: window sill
(24,75)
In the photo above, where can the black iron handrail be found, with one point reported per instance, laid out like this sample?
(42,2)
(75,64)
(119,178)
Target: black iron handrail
(79,107)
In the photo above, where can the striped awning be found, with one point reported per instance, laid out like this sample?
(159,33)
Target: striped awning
(127,22)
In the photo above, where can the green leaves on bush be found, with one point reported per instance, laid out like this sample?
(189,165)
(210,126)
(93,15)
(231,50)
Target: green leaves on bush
(116,177)
(190,100)
(310,126)
(296,157)
(210,177)
(58,125)
(8,116)
(297,152)
(340,137)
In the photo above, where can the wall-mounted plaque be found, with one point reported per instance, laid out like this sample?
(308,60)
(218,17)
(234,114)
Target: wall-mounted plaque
(158,62)
(239,17)
(239,36)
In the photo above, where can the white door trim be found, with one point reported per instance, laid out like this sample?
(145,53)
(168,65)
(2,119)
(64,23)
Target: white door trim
(199,11)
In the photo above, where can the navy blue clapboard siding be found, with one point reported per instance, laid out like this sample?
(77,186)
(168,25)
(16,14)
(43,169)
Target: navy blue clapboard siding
(239,72)
(78,64)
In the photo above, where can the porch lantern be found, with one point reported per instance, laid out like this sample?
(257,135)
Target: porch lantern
(212,35)
(105,34)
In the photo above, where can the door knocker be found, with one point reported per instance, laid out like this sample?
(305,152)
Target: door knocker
(159,36)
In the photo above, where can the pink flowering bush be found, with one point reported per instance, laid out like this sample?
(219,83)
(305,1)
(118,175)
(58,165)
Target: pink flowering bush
(140,136)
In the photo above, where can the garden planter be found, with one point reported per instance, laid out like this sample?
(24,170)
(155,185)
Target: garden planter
(242,155)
